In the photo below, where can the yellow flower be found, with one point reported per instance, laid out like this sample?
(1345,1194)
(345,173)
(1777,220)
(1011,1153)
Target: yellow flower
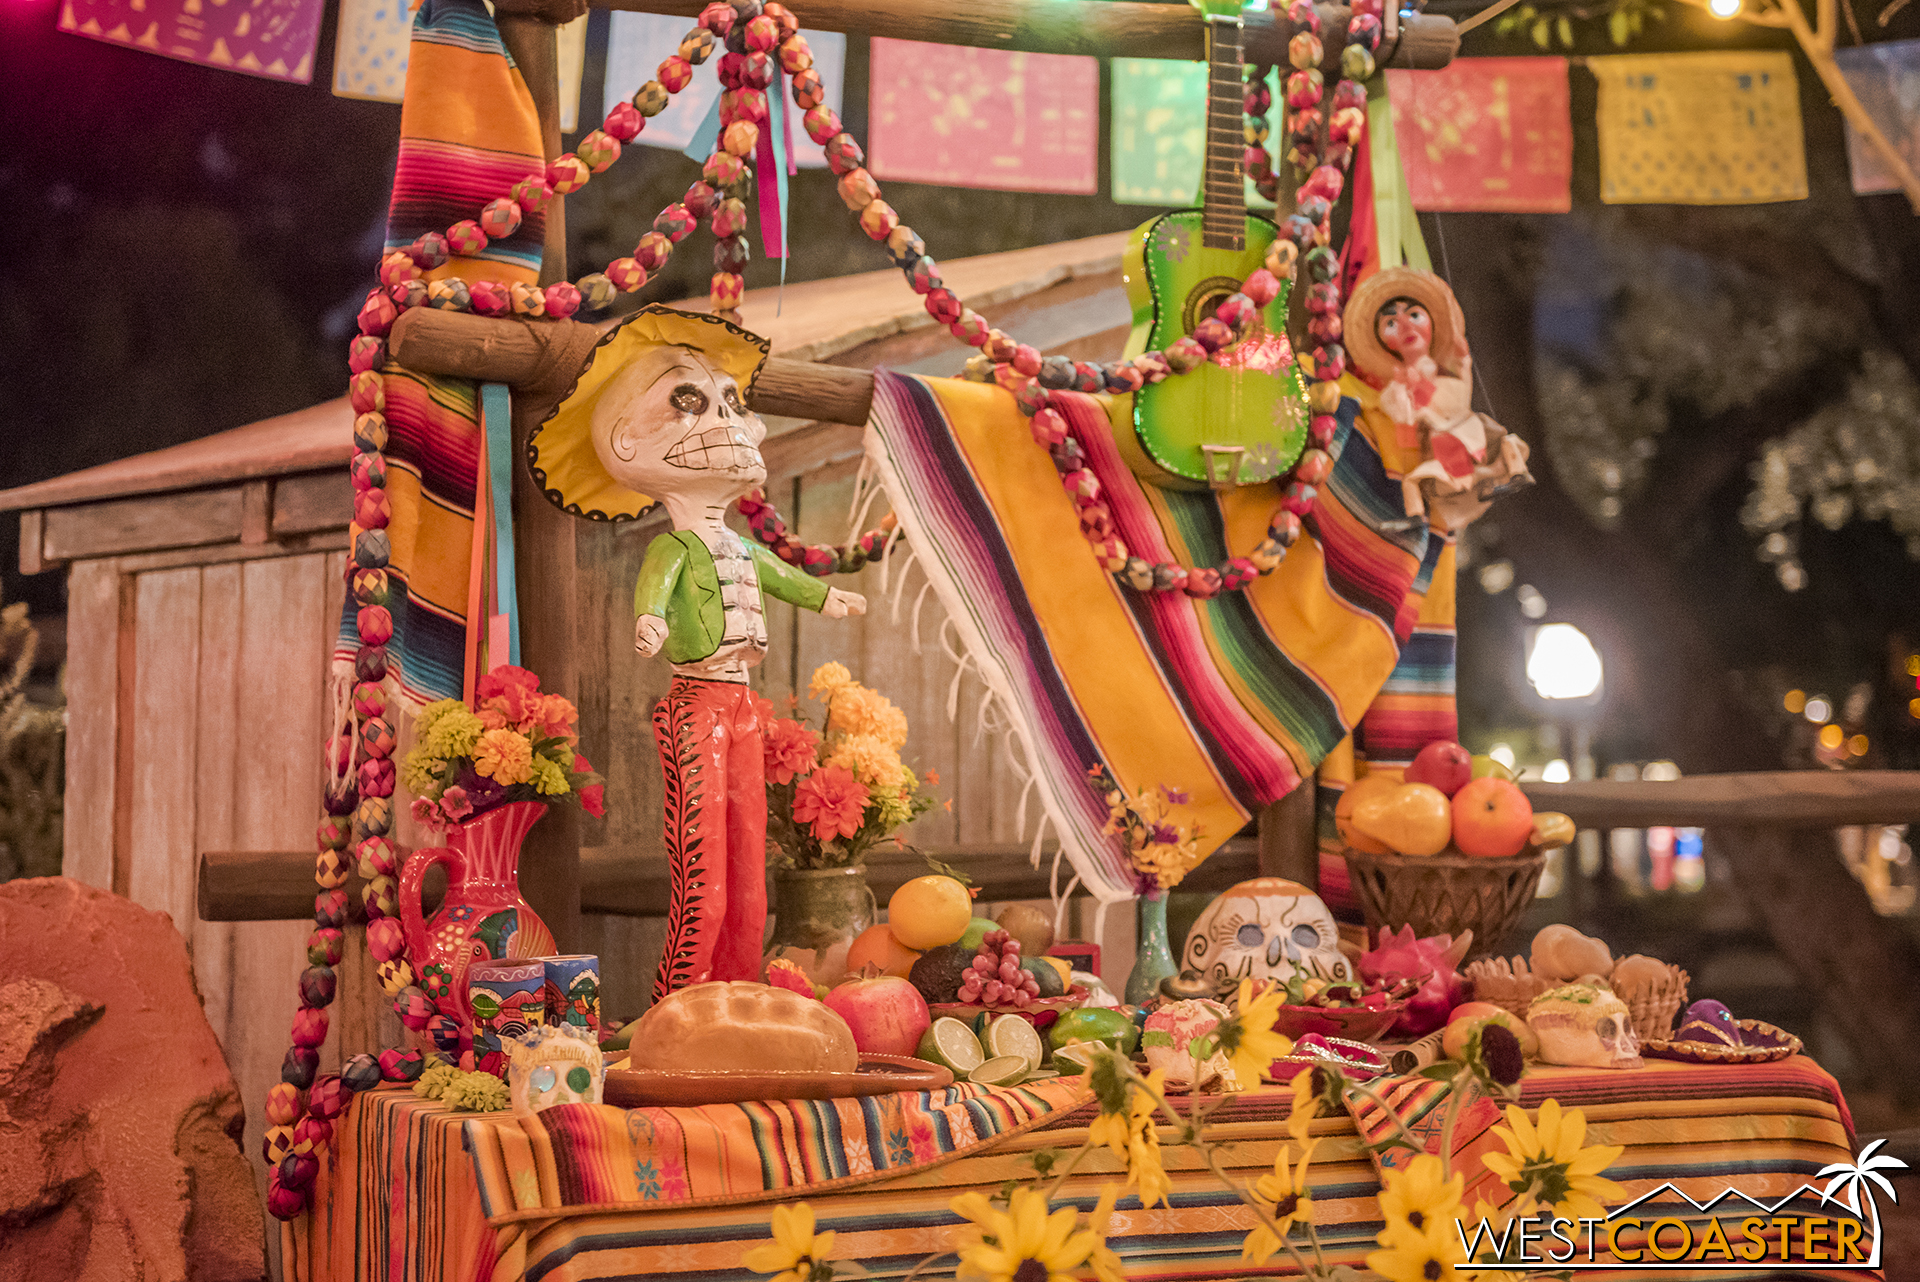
(856,710)
(1248,1038)
(549,780)
(1496,1218)
(871,760)
(1023,1242)
(504,757)
(453,732)
(827,678)
(1305,1106)
(1104,1260)
(1134,1137)
(1284,1199)
(1420,1257)
(1419,1198)
(1548,1161)
(795,1248)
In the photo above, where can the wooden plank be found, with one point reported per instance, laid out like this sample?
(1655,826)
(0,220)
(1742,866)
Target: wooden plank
(164,731)
(217,691)
(1780,798)
(1097,28)
(126,633)
(33,533)
(296,545)
(93,626)
(256,512)
(188,518)
(534,46)
(319,437)
(1289,837)
(311,502)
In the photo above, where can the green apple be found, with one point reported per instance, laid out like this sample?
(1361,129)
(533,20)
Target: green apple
(1484,766)
(976,931)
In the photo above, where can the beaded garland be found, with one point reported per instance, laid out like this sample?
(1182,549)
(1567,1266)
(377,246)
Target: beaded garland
(761,41)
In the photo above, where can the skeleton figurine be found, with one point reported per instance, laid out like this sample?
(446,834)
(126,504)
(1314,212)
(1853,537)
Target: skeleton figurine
(1406,335)
(1267,928)
(661,411)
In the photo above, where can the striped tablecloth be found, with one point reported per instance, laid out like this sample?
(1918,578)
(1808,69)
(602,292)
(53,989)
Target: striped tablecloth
(412,1193)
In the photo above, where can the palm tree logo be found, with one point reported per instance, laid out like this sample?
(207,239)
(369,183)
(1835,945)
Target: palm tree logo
(1850,1178)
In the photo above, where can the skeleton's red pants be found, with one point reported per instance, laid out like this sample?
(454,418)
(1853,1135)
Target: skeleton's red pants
(716,832)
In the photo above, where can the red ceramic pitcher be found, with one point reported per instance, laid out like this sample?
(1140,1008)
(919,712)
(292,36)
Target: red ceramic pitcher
(483,916)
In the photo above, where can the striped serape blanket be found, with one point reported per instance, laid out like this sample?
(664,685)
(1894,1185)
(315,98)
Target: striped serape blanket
(468,133)
(1232,700)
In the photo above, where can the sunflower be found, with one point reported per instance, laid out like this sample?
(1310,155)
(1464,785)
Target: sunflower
(1305,1105)
(1022,1243)
(1420,1257)
(1248,1038)
(1134,1137)
(1419,1198)
(1284,1201)
(1547,1161)
(796,1252)
(1104,1260)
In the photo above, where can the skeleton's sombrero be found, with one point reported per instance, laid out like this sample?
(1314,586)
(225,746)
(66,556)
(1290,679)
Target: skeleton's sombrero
(1376,291)
(560,451)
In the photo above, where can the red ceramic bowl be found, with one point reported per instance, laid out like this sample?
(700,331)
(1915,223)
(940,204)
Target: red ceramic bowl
(1355,1023)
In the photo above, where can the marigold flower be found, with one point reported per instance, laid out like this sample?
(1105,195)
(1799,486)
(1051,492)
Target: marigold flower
(504,757)
(827,678)
(871,759)
(830,801)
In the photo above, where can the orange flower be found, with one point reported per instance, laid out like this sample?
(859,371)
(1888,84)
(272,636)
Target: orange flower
(789,747)
(832,801)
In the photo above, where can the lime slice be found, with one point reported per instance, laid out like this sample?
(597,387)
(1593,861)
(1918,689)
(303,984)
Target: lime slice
(1003,1070)
(1012,1035)
(1076,1057)
(951,1044)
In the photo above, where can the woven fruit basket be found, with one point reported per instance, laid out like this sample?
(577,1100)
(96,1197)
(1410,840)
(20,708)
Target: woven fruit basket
(1447,893)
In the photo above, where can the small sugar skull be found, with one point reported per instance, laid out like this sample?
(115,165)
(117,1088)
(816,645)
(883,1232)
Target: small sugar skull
(1172,1030)
(554,1065)
(1267,928)
(1585,1026)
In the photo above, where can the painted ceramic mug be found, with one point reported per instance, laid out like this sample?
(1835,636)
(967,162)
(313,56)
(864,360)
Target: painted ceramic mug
(508,999)
(573,992)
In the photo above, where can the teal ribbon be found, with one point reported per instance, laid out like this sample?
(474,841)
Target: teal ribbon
(496,420)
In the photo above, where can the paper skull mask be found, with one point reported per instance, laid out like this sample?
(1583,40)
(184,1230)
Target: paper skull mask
(1585,1026)
(675,422)
(554,1065)
(1265,929)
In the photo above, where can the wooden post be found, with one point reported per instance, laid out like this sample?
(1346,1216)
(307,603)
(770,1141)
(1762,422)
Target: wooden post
(1290,837)
(544,553)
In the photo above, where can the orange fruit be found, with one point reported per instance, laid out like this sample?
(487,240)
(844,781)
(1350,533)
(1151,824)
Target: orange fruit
(876,944)
(929,911)
(1358,791)
(1413,818)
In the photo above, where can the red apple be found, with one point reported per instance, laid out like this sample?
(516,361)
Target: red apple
(1447,766)
(886,1013)
(1492,818)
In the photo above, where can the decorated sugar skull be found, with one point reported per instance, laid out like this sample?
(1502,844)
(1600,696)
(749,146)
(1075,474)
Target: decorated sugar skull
(1586,1026)
(557,1064)
(1171,1032)
(1265,929)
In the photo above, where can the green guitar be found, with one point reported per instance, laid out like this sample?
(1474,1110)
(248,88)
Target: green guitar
(1244,420)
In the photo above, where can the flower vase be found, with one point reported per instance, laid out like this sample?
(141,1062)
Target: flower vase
(484,917)
(1154,960)
(822,911)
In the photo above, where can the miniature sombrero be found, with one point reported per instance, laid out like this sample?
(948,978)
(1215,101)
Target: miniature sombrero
(560,451)
(1376,291)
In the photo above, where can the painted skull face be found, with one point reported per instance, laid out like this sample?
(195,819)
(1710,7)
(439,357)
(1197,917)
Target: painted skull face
(1265,929)
(673,422)
(1405,329)
(1584,1026)
(554,1065)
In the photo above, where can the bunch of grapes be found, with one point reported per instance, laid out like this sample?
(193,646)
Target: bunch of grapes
(994,977)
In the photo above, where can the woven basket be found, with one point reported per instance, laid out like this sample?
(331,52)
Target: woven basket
(1655,1005)
(1446,894)
(1510,985)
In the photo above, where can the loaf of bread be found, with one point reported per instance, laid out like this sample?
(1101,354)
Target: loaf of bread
(737,1026)
(1561,953)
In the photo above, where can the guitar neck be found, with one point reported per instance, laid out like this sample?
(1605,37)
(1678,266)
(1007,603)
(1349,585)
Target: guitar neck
(1224,200)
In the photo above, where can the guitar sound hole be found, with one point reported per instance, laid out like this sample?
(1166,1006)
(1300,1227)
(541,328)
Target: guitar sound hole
(1205,299)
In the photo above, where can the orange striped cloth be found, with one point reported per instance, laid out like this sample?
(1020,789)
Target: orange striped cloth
(406,1193)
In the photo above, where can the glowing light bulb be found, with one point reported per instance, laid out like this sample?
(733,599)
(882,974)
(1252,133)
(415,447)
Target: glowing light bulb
(1556,772)
(1818,710)
(1503,753)
(1723,8)
(1564,664)
(1795,702)
(1831,737)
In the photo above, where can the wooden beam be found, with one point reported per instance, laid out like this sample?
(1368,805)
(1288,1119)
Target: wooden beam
(275,885)
(33,532)
(533,41)
(1290,837)
(461,345)
(1781,798)
(1101,28)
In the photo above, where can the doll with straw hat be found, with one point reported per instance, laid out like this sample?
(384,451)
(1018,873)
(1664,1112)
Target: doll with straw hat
(1405,334)
(659,417)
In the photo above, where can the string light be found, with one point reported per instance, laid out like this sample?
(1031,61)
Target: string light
(1831,737)
(1818,710)
(1556,772)
(1857,746)
(1796,702)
